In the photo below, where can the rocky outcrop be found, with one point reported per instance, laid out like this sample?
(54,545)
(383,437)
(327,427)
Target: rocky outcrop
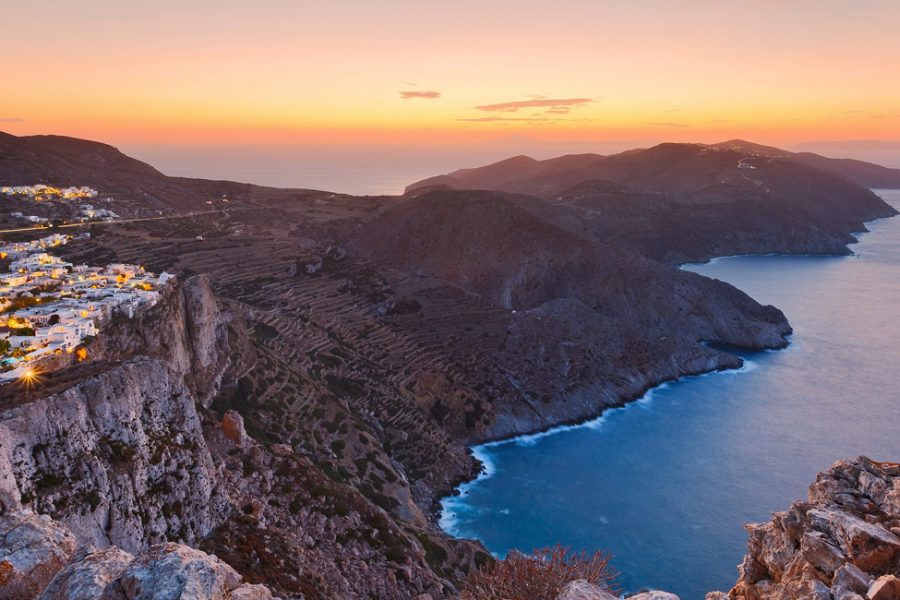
(581,589)
(120,458)
(172,571)
(842,544)
(32,549)
(90,574)
(39,561)
(185,330)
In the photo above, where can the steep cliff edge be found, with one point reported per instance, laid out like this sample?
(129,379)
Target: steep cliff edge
(843,543)
(120,459)
(123,471)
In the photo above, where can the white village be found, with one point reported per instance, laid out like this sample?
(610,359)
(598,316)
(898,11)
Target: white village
(41,193)
(51,309)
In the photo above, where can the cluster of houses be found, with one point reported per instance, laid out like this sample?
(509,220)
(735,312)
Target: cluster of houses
(48,192)
(41,192)
(88,211)
(49,308)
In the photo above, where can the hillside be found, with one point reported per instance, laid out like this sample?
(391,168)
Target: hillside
(683,165)
(569,301)
(136,187)
(866,174)
(687,202)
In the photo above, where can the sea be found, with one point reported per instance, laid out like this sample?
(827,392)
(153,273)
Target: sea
(666,483)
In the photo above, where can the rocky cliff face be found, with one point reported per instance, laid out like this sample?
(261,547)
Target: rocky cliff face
(843,543)
(120,459)
(115,471)
(186,331)
(39,559)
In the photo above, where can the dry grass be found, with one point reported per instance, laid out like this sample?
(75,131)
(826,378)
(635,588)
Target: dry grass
(540,576)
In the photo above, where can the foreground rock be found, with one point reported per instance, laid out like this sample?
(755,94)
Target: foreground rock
(842,544)
(581,589)
(32,549)
(38,559)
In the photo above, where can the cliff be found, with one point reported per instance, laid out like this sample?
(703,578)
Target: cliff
(120,473)
(120,459)
(841,544)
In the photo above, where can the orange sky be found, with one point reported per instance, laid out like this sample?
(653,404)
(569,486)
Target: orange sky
(348,71)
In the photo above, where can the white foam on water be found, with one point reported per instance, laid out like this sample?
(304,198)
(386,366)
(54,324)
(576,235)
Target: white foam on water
(454,508)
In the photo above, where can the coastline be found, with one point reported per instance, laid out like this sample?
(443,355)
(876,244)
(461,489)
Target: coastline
(452,504)
(446,515)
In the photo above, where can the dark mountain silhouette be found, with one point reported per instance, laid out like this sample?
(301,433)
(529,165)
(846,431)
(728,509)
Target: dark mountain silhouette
(63,161)
(679,202)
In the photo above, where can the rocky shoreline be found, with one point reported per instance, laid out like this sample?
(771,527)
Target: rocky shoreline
(575,423)
(842,543)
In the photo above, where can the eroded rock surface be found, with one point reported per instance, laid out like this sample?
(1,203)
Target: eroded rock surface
(838,545)
(119,459)
(32,549)
(581,589)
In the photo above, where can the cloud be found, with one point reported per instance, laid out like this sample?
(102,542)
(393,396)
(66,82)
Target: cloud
(427,94)
(553,105)
(665,124)
(12,119)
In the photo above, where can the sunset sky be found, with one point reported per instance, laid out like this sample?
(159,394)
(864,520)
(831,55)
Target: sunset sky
(348,71)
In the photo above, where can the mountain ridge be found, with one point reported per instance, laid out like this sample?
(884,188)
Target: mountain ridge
(863,173)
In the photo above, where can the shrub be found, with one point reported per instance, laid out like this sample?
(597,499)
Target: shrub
(540,576)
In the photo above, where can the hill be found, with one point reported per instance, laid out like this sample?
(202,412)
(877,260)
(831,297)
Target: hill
(136,186)
(682,202)
(684,165)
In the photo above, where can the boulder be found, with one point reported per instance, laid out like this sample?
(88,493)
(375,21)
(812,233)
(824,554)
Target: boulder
(653,595)
(251,592)
(282,450)
(868,545)
(886,587)
(850,578)
(233,428)
(581,589)
(33,548)
(88,575)
(172,571)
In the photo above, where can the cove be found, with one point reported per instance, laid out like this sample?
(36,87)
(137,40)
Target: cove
(666,483)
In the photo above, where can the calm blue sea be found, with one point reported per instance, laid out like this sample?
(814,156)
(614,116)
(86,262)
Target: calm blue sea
(666,483)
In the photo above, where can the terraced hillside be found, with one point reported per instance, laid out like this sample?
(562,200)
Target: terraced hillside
(382,374)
